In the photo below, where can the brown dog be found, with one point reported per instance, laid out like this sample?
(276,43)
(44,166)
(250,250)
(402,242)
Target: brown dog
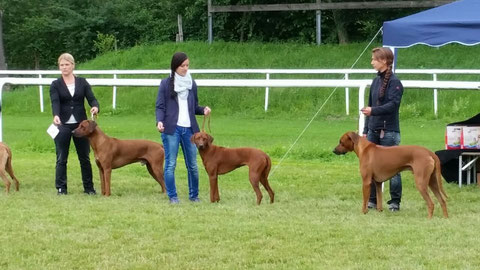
(380,163)
(220,160)
(6,165)
(111,153)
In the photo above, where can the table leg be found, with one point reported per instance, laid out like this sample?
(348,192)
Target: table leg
(468,169)
(460,171)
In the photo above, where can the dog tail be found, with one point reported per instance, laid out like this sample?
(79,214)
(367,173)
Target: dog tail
(438,174)
(267,168)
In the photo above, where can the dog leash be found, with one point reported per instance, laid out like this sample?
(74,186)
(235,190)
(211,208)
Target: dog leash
(94,117)
(203,124)
(320,109)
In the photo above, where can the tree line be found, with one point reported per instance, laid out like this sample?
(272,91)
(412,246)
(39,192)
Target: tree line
(35,32)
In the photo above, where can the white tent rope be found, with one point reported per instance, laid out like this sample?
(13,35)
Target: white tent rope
(321,107)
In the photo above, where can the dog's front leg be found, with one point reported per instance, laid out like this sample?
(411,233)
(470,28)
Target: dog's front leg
(107,173)
(366,193)
(378,189)
(102,177)
(214,194)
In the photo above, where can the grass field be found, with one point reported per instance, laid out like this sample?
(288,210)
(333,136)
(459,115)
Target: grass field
(316,220)
(315,223)
(284,102)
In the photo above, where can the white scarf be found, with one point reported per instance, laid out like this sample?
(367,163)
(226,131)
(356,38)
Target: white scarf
(182,85)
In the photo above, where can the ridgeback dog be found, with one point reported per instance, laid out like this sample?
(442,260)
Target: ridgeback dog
(6,165)
(111,153)
(379,163)
(220,160)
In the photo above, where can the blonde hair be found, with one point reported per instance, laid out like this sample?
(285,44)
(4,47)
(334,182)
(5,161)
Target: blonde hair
(66,56)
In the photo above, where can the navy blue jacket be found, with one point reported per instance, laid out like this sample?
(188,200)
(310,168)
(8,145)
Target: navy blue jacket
(384,112)
(64,105)
(166,107)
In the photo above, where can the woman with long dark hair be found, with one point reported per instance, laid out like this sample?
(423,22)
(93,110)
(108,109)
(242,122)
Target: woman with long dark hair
(175,109)
(382,125)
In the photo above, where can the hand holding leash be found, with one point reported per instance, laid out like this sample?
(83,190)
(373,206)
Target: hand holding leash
(94,113)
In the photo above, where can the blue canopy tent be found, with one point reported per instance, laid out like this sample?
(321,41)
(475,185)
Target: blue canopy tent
(457,22)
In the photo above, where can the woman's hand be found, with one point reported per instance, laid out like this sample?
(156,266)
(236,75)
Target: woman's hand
(94,110)
(367,111)
(160,127)
(207,110)
(56,120)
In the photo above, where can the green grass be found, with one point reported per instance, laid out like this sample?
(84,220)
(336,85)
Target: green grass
(315,223)
(284,102)
(316,220)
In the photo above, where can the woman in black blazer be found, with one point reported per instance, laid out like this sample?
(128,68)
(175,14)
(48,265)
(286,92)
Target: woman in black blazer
(67,95)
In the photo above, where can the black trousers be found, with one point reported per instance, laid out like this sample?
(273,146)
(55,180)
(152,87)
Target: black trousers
(62,146)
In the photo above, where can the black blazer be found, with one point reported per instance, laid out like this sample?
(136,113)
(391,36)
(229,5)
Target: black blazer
(64,105)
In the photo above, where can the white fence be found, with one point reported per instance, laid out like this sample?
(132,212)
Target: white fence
(346,73)
(361,84)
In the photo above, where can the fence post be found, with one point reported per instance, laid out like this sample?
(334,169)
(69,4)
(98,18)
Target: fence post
(361,103)
(435,96)
(347,97)
(114,95)
(2,83)
(40,91)
(266,92)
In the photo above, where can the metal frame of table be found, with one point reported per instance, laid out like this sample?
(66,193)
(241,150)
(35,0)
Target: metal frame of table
(470,167)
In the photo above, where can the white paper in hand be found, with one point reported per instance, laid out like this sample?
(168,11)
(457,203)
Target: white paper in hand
(53,131)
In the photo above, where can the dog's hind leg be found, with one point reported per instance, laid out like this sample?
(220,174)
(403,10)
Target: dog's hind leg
(264,180)
(254,180)
(3,163)
(5,180)
(157,174)
(422,187)
(9,169)
(433,183)
(266,185)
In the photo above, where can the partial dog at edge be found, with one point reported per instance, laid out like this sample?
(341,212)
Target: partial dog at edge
(111,153)
(6,165)
(379,163)
(220,160)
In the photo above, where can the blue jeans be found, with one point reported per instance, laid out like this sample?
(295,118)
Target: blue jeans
(181,137)
(390,138)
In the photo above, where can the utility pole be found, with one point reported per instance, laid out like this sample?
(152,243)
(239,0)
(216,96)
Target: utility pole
(3,64)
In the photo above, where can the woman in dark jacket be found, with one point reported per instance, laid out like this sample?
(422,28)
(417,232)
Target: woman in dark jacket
(68,94)
(382,122)
(175,109)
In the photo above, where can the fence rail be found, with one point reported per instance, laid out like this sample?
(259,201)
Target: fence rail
(361,84)
(266,72)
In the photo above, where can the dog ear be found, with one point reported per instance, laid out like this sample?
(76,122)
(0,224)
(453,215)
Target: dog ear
(92,125)
(210,139)
(192,139)
(354,137)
